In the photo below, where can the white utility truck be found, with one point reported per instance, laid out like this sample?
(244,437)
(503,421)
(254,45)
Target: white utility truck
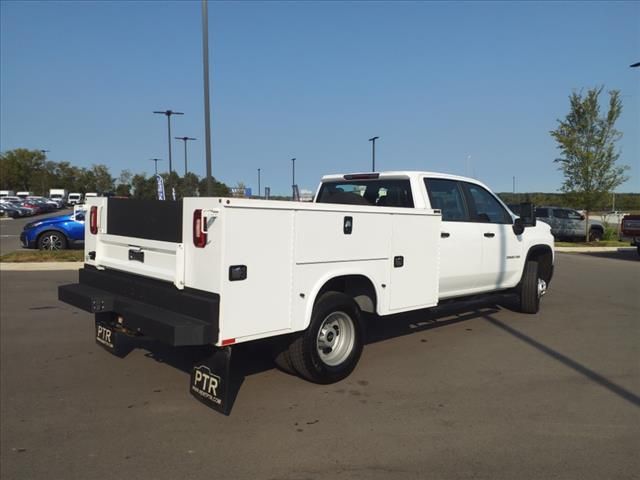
(224,271)
(74,198)
(58,194)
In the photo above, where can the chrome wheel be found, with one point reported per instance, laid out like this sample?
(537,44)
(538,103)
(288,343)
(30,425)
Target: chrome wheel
(336,338)
(51,241)
(542,287)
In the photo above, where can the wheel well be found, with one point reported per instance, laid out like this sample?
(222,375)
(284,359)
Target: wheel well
(543,255)
(596,227)
(358,287)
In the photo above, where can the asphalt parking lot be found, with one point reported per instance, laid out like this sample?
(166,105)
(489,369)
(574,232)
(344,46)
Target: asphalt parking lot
(473,391)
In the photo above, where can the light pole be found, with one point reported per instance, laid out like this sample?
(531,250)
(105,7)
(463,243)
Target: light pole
(156,160)
(293,179)
(207,113)
(373,153)
(259,191)
(185,140)
(43,152)
(168,113)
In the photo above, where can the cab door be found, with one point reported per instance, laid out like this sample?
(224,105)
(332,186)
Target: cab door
(460,239)
(501,248)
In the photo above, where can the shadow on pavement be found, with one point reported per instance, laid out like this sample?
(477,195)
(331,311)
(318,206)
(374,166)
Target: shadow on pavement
(256,357)
(568,362)
(630,255)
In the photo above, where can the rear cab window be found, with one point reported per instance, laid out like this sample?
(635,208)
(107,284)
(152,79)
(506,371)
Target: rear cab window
(374,192)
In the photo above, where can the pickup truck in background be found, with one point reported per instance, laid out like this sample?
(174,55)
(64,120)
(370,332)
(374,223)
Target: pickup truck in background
(630,230)
(225,271)
(569,224)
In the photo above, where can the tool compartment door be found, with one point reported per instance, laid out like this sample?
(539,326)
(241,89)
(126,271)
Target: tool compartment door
(414,262)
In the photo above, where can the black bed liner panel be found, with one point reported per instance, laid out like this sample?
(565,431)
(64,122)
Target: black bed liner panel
(156,308)
(149,219)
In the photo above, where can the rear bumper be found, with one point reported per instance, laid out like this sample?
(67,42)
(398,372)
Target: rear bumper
(154,308)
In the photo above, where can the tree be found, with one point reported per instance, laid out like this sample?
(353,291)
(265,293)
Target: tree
(144,187)
(189,185)
(18,168)
(219,188)
(123,189)
(588,158)
(67,176)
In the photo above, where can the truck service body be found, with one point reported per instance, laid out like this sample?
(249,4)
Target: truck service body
(58,194)
(224,271)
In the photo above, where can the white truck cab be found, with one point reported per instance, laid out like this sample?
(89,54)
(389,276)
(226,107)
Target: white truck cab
(224,271)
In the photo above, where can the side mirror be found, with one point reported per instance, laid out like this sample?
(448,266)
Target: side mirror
(582,217)
(528,214)
(518,226)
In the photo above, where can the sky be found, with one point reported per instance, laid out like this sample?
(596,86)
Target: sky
(469,88)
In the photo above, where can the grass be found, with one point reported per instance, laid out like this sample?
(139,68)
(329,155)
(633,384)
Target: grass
(43,256)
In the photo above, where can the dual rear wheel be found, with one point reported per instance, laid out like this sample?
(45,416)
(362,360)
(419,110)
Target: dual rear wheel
(329,349)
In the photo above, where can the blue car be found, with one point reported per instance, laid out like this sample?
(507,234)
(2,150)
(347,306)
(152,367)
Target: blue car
(54,233)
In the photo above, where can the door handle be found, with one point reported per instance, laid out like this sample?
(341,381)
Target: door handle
(444,235)
(489,235)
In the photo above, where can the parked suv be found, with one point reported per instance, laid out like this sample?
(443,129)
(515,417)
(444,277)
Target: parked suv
(630,230)
(567,223)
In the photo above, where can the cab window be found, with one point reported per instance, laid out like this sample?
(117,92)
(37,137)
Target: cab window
(389,193)
(446,196)
(485,207)
(542,212)
(561,213)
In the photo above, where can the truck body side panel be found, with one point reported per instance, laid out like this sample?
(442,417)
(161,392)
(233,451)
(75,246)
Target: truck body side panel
(321,237)
(261,241)
(414,262)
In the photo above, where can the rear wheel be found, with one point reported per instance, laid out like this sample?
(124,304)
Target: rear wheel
(532,287)
(281,356)
(595,235)
(330,348)
(52,240)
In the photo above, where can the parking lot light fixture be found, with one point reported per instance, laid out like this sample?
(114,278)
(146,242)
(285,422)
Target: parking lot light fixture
(259,191)
(168,113)
(373,153)
(156,160)
(185,140)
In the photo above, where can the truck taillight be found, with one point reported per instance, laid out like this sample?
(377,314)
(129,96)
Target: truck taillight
(93,220)
(199,230)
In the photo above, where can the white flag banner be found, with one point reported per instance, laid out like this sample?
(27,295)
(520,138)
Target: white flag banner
(160,182)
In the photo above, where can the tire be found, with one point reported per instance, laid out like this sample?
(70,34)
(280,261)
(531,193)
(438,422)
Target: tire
(595,235)
(281,356)
(52,240)
(531,288)
(335,323)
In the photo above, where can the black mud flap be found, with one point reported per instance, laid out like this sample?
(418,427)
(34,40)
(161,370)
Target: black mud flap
(214,382)
(112,340)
